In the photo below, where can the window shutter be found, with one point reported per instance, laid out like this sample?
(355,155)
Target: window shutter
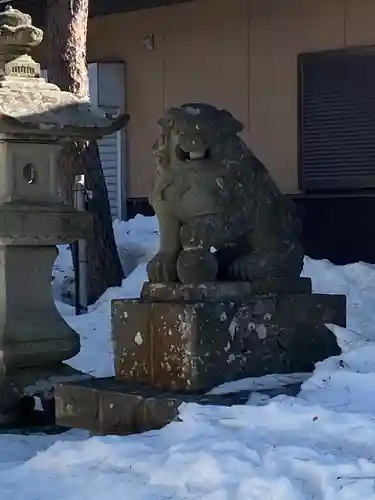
(337,120)
(107,90)
(110,157)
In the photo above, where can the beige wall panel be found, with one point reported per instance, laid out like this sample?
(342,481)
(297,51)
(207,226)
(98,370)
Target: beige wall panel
(279,31)
(238,54)
(206,55)
(360,26)
(119,37)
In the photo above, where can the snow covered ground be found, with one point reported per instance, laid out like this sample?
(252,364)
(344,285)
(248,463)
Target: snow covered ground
(319,445)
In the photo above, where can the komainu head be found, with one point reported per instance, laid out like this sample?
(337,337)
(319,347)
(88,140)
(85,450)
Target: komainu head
(193,130)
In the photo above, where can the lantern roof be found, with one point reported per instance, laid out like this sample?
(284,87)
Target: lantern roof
(28,103)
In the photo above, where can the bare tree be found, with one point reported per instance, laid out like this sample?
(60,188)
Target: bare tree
(66,35)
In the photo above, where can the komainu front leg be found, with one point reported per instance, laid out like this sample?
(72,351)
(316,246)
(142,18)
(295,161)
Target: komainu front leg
(196,263)
(163,267)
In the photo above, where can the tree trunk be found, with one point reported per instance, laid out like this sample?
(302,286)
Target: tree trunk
(67,67)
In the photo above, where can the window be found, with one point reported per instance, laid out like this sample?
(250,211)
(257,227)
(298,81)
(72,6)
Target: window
(337,120)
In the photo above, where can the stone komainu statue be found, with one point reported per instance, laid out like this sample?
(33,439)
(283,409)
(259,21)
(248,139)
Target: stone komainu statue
(221,216)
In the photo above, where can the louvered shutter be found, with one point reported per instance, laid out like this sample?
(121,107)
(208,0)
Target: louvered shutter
(337,120)
(110,158)
(107,87)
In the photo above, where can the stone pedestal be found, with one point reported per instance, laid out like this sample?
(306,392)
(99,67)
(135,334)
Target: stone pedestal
(185,338)
(178,341)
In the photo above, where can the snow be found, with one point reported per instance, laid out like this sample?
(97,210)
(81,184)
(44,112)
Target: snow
(137,241)
(319,445)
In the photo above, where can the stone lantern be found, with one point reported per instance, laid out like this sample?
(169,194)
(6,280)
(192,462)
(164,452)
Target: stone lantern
(36,119)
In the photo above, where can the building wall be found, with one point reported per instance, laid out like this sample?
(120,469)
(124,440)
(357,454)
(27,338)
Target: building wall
(238,54)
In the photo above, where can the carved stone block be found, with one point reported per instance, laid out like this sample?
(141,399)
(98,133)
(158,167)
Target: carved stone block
(194,346)
(106,406)
(221,290)
(132,349)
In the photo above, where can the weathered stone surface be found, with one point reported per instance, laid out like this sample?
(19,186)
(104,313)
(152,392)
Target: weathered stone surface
(33,333)
(196,346)
(104,406)
(51,225)
(77,407)
(221,290)
(133,347)
(211,191)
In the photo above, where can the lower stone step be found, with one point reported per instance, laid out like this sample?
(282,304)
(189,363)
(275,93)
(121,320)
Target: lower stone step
(105,406)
